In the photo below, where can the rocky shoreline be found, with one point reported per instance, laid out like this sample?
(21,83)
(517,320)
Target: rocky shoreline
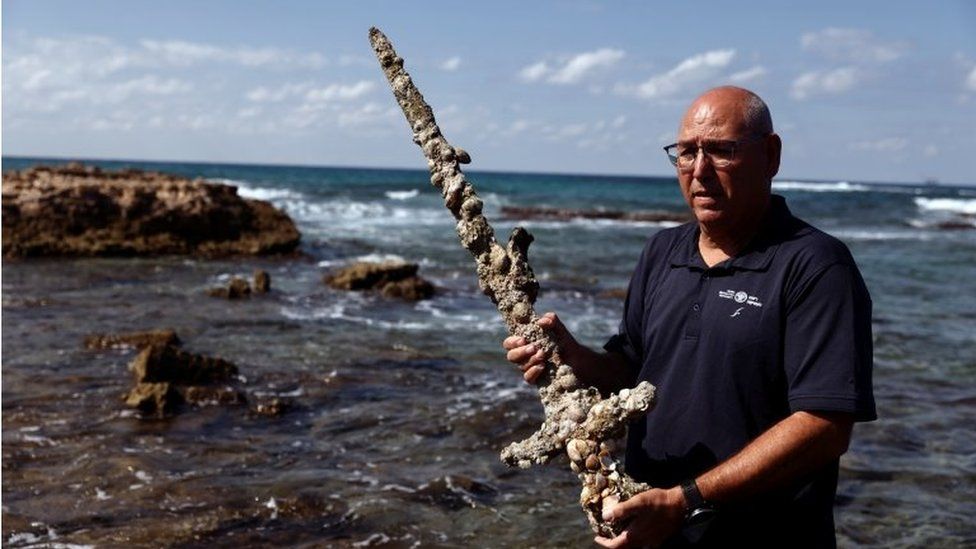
(76,210)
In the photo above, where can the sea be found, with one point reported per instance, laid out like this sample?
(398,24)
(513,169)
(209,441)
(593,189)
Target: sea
(399,410)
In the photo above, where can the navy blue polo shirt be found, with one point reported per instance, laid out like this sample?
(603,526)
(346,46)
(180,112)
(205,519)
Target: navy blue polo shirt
(784,326)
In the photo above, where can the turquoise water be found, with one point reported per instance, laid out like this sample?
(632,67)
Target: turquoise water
(400,409)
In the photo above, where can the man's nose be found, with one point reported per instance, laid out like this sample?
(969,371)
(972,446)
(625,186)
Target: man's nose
(702,165)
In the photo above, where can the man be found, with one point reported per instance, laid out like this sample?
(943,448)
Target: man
(756,329)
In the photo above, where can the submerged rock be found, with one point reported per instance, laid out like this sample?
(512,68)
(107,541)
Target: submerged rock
(262,282)
(76,210)
(159,363)
(392,279)
(154,398)
(131,340)
(567,214)
(167,377)
(237,288)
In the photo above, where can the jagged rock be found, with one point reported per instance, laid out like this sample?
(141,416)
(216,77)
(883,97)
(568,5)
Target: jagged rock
(614,293)
(413,288)
(262,282)
(273,407)
(566,214)
(165,363)
(237,288)
(132,340)
(202,395)
(77,210)
(154,398)
(392,279)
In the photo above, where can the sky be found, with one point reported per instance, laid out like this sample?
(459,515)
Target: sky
(858,90)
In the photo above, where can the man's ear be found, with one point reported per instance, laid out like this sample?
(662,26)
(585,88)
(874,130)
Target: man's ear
(774,148)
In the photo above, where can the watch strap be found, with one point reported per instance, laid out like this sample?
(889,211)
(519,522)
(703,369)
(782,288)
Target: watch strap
(693,497)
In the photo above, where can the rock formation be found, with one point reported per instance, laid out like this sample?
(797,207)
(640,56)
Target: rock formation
(392,279)
(566,214)
(236,288)
(131,340)
(578,420)
(76,210)
(166,376)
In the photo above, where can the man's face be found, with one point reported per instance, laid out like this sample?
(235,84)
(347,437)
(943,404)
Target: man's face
(727,198)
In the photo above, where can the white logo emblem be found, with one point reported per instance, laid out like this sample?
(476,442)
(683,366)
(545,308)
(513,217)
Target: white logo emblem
(736,313)
(740,297)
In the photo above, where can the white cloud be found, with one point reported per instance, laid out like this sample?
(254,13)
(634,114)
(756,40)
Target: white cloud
(748,75)
(831,82)
(341,92)
(693,70)
(263,94)
(971,80)
(181,53)
(574,69)
(852,45)
(930,151)
(888,144)
(579,66)
(534,72)
(451,64)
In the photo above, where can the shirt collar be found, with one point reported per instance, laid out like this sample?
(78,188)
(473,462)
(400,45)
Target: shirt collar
(756,256)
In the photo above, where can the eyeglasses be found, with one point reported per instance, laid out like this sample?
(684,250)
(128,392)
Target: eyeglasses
(719,153)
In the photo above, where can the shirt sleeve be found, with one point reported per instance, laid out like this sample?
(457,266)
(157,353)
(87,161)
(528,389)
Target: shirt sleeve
(828,347)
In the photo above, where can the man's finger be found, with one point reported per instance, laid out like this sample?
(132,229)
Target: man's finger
(532,374)
(512,342)
(622,540)
(519,355)
(622,509)
(538,358)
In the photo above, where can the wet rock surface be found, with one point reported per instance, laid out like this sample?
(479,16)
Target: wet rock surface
(236,288)
(567,214)
(167,377)
(392,279)
(78,210)
(239,288)
(132,340)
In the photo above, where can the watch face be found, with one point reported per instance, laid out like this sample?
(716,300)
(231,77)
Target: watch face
(701,515)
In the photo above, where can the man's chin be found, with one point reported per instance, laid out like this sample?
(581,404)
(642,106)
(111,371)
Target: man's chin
(709,216)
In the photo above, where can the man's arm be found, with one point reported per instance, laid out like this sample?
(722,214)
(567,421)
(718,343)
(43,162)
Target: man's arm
(798,445)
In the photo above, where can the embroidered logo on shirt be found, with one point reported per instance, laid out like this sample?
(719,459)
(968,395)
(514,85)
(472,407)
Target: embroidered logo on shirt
(736,313)
(740,297)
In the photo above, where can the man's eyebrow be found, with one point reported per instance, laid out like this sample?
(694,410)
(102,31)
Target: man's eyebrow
(694,142)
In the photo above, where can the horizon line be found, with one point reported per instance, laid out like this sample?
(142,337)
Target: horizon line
(494,171)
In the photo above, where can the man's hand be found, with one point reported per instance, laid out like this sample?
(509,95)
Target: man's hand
(529,358)
(651,518)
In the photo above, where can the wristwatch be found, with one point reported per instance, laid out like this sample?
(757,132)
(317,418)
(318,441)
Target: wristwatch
(699,511)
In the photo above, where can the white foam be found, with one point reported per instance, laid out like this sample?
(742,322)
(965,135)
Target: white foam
(248,190)
(840,186)
(955,205)
(879,234)
(595,224)
(402,195)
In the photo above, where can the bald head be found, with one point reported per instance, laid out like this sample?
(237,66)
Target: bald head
(751,113)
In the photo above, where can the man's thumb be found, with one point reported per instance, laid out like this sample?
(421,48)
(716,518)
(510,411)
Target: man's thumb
(621,510)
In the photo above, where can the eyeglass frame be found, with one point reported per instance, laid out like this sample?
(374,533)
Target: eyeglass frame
(735,144)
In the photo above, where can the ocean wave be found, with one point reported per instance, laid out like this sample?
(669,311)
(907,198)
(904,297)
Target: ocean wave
(840,186)
(375,258)
(882,234)
(402,195)
(955,205)
(270,194)
(594,224)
